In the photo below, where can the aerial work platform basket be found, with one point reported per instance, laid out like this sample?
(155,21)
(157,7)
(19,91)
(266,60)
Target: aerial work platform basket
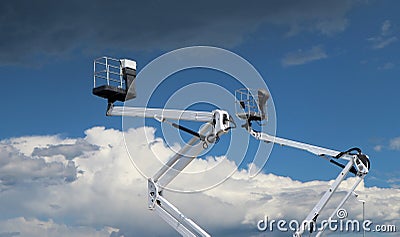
(251,104)
(113,79)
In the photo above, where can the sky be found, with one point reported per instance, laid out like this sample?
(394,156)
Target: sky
(331,68)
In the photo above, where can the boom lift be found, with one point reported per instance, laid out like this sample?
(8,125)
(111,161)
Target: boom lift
(119,78)
(252,106)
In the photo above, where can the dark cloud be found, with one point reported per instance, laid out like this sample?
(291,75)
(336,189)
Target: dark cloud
(37,29)
(18,169)
(69,151)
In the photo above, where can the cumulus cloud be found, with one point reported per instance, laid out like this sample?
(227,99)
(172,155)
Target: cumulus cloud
(109,197)
(304,56)
(42,28)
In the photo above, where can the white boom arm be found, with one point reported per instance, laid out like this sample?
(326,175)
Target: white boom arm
(356,163)
(165,175)
(217,122)
(316,150)
(174,114)
(348,194)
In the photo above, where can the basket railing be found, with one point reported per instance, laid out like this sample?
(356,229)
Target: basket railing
(247,104)
(108,71)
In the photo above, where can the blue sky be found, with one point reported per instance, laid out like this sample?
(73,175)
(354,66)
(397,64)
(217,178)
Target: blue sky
(332,69)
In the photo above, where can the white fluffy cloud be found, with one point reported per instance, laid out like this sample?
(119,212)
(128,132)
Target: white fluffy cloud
(108,195)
